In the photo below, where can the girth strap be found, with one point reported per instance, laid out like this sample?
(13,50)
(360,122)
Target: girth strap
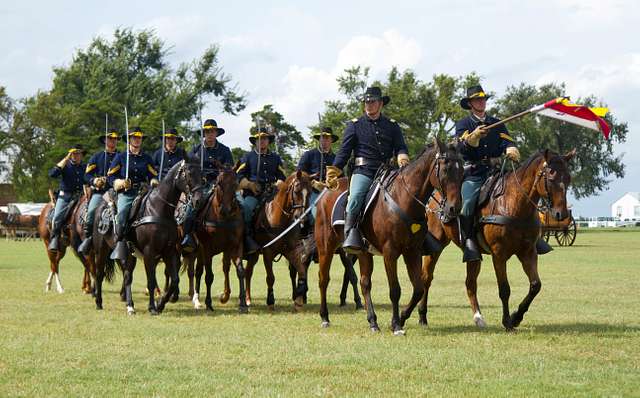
(167,222)
(414,225)
(223,224)
(499,219)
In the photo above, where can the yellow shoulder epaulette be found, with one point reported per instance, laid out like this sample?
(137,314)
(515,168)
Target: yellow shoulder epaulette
(506,137)
(152,170)
(113,170)
(242,166)
(90,167)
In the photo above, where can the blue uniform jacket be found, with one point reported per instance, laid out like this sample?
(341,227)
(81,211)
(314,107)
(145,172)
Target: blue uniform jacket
(270,168)
(311,160)
(98,168)
(141,168)
(492,145)
(219,152)
(376,141)
(170,159)
(72,176)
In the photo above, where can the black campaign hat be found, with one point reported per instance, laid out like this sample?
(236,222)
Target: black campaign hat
(113,133)
(77,148)
(172,133)
(261,132)
(473,92)
(375,94)
(326,131)
(136,132)
(211,124)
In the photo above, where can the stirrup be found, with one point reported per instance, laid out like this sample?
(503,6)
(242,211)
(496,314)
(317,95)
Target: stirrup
(54,244)
(250,245)
(543,247)
(85,246)
(353,243)
(188,245)
(470,252)
(121,251)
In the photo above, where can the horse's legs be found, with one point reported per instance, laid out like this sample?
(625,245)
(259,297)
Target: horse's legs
(128,269)
(101,260)
(172,262)
(324,268)
(391,268)
(199,268)
(248,274)
(242,297)
(54,262)
(349,276)
(504,290)
(529,262)
(414,269)
(226,265)
(188,261)
(208,280)
(301,285)
(167,283)
(366,269)
(428,268)
(150,270)
(293,273)
(268,266)
(473,270)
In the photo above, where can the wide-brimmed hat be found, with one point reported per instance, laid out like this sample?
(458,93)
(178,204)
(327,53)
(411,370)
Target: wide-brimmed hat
(172,133)
(211,124)
(77,148)
(473,92)
(261,132)
(113,133)
(326,131)
(375,94)
(136,132)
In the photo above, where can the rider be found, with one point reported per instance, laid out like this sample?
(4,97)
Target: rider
(141,170)
(213,150)
(96,177)
(258,169)
(315,161)
(172,154)
(478,147)
(374,139)
(71,169)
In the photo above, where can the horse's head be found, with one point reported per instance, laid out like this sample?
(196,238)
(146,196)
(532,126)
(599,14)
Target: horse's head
(553,182)
(297,189)
(447,176)
(226,186)
(188,179)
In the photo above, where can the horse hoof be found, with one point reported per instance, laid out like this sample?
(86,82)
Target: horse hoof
(359,306)
(174,299)
(423,323)
(399,332)
(224,297)
(342,303)
(197,306)
(243,310)
(47,288)
(60,290)
(325,324)
(153,311)
(271,307)
(210,308)
(298,304)
(479,320)
(375,329)
(130,310)
(99,307)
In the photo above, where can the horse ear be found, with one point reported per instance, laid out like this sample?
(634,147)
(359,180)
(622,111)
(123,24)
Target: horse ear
(546,154)
(569,155)
(441,147)
(298,174)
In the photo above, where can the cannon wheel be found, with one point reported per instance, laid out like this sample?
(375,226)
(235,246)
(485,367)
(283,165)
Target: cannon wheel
(567,235)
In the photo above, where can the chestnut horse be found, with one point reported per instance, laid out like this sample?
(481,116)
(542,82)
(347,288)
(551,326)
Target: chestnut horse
(153,234)
(289,203)
(70,235)
(438,166)
(545,175)
(219,230)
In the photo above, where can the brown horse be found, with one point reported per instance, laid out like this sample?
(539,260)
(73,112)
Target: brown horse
(70,236)
(274,217)
(153,234)
(11,223)
(439,166)
(219,230)
(545,175)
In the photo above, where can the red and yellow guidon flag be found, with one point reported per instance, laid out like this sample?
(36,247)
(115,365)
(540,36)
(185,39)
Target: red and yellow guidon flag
(562,109)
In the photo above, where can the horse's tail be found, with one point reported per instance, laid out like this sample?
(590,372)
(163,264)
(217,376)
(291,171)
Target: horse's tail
(109,270)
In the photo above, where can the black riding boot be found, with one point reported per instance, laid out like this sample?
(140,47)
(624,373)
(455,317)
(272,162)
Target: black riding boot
(54,243)
(542,247)
(470,251)
(188,243)
(430,245)
(353,243)
(85,246)
(250,245)
(121,251)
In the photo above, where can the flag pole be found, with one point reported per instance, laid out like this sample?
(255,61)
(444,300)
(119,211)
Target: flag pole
(126,126)
(162,153)
(106,133)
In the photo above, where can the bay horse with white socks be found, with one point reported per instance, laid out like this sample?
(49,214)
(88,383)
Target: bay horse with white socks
(384,225)
(509,225)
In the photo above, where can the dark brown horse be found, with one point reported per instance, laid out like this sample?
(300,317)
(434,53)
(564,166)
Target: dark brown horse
(439,166)
(70,236)
(289,203)
(545,175)
(219,230)
(153,234)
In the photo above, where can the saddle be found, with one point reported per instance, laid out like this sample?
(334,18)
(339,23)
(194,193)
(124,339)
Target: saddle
(140,199)
(67,214)
(492,188)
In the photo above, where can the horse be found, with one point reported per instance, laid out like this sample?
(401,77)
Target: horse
(11,223)
(288,204)
(69,236)
(394,225)
(153,234)
(509,226)
(220,228)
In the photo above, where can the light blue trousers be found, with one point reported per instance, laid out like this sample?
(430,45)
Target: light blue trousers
(248,204)
(125,200)
(357,191)
(470,192)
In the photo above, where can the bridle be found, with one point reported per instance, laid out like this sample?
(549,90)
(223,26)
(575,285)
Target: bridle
(291,199)
(543,173)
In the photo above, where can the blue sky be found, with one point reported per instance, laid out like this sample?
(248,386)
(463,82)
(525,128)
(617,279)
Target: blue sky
(288,53)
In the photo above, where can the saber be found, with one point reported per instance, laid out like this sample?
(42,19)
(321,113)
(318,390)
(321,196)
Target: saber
(258,150)
(106,133)
(201,141)
(320,149)
(126,126)
(296,222)
(162,153)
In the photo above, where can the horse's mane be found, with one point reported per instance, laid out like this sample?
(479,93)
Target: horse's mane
(171,174)
(426,151)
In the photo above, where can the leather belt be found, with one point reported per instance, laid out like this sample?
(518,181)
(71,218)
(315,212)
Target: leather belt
(360,161)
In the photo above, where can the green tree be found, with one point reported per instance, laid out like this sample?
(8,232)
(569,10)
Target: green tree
(288,137)
(595,161)
(130,70)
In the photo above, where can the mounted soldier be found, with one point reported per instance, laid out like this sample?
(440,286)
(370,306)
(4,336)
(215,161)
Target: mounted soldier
(211,152)
(314,162)
(127,174)
(374,140)
(172,155)
(258,171)
(71,171)
(95,176)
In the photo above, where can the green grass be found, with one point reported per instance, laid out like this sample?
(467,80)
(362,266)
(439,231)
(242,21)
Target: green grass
(581,336)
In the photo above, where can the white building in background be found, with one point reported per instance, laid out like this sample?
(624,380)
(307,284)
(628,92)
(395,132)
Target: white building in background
(627,208)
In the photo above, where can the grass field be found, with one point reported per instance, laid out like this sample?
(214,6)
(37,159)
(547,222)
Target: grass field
(581,336)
